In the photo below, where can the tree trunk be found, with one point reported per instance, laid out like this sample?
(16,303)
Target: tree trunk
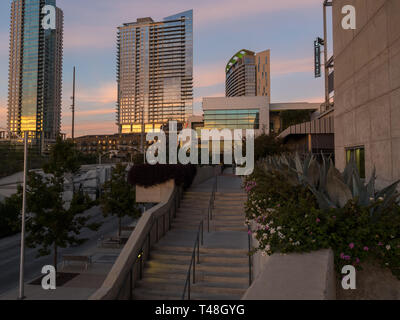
(55,257)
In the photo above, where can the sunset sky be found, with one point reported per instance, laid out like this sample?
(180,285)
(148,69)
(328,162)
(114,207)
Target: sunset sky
(221,28)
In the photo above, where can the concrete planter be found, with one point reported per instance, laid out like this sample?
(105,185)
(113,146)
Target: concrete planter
(155,194)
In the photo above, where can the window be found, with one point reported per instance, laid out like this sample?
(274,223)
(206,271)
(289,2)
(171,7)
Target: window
(358,154)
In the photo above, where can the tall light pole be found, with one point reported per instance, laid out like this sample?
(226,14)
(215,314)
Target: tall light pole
(22,258)
(73,106)
(25,137)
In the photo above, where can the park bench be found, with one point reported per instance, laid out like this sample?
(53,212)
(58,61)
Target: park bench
(87,260)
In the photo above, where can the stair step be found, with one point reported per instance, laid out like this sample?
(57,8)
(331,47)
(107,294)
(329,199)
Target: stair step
(160,246)
(145,294)
(244,229)
(199,287)
(213,277)
(172,256)
(205,267)
(231,194)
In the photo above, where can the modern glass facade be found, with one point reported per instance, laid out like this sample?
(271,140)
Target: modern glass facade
(154,72)
(232,119)
(35,71)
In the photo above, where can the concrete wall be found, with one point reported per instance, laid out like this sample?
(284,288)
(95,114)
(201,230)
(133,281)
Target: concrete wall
(293,276)
(367,85)
(308,276)
(155,194)
(116,285)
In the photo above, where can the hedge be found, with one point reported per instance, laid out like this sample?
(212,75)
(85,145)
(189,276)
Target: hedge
(147,175)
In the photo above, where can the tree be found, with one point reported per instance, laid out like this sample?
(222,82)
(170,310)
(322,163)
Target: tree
(118,198)
(9,212)
(267,145)
(49,223)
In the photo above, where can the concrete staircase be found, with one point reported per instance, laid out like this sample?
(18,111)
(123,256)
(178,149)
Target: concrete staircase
(228,213)
(223,270)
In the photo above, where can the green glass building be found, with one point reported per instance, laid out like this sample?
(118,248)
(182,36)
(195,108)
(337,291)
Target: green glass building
(35,71)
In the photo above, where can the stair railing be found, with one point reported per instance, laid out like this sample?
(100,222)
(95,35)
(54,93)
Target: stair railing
(196,249)
(211,204)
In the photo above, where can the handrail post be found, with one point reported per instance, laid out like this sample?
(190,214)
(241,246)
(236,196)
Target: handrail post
(198,249)
(194,268)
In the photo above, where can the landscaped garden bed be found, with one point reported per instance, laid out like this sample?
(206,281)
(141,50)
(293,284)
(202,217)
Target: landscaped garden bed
(300,205)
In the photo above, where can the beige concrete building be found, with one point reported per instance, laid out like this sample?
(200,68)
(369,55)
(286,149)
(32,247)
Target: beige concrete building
(248,74)
(367,87)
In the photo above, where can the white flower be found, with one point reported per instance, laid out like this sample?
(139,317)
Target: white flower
(388,247)
(268,247)
(272,231)
(279,228)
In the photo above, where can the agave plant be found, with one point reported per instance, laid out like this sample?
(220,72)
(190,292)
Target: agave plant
(332,188)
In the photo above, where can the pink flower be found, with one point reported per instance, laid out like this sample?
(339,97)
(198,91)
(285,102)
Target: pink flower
(334,217)
(357,261)
(342,256)
(380,244)
(318,220)
(249,233)
(366,248)
(351,245)
(347,258)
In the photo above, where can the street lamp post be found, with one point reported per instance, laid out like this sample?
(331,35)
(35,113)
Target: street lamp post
(22,258)
(21,292)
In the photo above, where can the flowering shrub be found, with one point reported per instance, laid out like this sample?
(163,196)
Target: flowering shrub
(286,218)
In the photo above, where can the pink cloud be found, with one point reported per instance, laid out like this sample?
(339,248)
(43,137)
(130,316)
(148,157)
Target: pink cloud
(90,113)
(111,14)
(288,66)
(209,75)
(209,12)
(105,93)
(88,128)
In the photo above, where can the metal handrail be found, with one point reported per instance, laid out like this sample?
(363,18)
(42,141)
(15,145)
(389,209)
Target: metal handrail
(211,204)
(197,243)
(193,260)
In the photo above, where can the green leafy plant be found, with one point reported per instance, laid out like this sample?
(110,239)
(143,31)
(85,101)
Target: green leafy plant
(299,205)
(49,223)
(118,198)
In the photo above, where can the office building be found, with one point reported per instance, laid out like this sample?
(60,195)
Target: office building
(248,74)
(367,89)
(35,71)
(155,72)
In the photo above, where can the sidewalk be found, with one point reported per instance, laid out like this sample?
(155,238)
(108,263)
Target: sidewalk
(80,287)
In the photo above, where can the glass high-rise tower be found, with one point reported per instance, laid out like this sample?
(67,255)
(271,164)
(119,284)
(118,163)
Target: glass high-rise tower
(154,72)
(248,74)
(35,70)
